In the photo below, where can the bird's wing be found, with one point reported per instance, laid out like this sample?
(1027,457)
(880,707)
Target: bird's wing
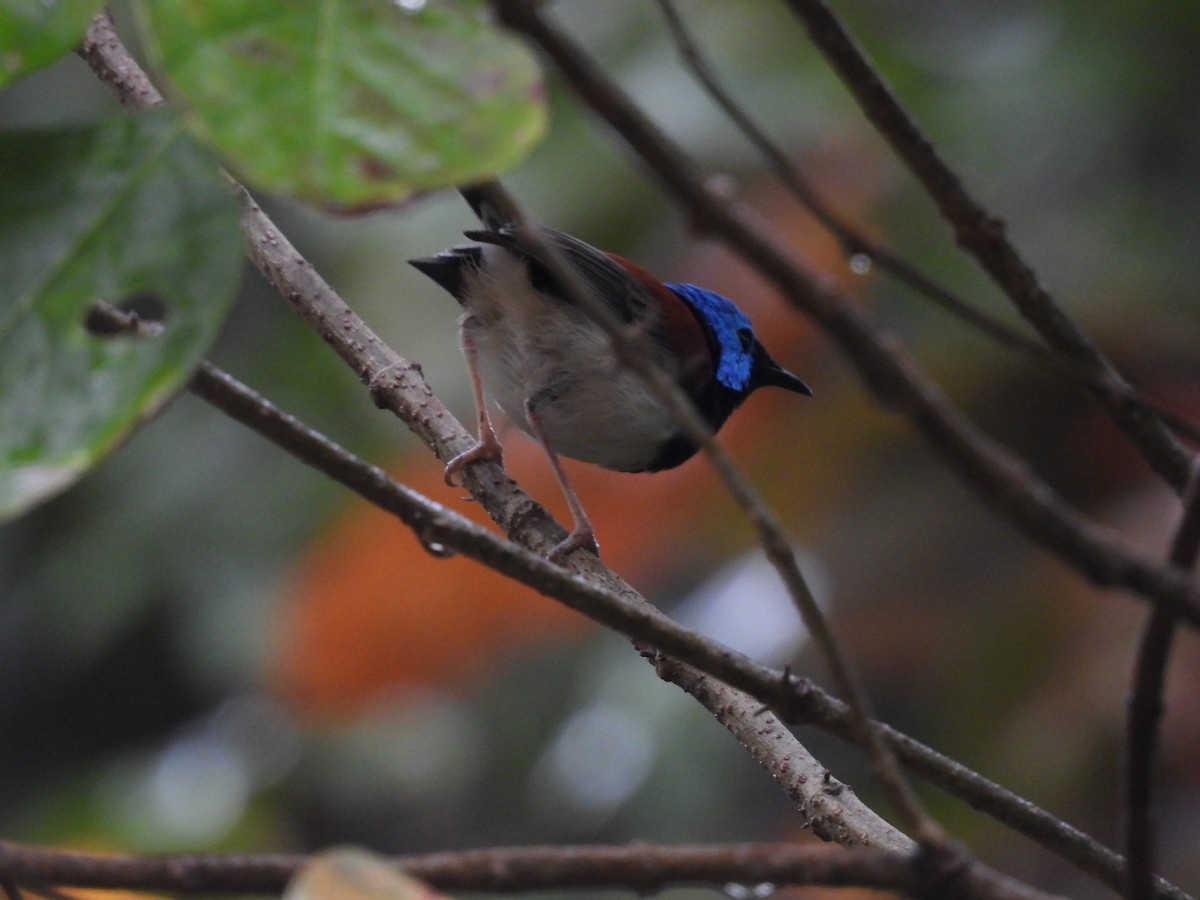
(627,296)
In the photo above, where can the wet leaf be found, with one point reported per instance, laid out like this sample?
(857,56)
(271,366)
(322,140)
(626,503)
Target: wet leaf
(350,104)
(129,212)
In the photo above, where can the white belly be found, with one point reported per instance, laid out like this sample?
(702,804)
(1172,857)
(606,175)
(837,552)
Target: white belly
(530,347)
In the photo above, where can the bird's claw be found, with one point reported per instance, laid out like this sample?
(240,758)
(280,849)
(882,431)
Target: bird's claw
(484,449)
(580,538)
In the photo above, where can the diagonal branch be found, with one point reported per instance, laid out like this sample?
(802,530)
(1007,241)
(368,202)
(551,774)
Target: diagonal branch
(823,799)
(833,815)
(816,708)
(795,700)
(983,235)
(852,240)
(856,242)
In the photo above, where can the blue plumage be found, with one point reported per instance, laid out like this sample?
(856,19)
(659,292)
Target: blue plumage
(731,328)
(554,372)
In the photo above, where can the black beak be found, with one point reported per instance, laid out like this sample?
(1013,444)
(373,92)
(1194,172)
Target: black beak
(777,376)
(768,373)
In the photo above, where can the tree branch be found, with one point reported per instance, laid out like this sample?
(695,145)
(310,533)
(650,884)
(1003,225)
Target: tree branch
(1146,708)
(827,803)
(852,240)
(103,51)
(856,242)
(643,868)
(983,235)
(812,706)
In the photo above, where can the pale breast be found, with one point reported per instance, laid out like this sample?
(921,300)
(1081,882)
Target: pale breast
(531,346)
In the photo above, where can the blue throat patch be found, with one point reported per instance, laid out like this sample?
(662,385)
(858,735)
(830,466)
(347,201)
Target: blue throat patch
(726,320)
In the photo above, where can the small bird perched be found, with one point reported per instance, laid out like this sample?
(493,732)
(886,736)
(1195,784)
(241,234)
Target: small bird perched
(554,371)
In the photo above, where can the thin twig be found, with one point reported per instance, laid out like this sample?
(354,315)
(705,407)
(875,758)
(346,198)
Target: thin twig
(1146,708)
(813,707)
(855,242)
(1000,477)
(642,868)
(983,235)
(103,51)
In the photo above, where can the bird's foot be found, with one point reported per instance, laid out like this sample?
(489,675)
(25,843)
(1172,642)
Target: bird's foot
(487,448)
(579,538)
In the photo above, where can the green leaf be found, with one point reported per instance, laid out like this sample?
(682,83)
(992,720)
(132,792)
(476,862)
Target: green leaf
(124,209)
(349,103)
(34,33)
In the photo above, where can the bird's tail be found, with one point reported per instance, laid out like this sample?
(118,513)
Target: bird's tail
(491,203)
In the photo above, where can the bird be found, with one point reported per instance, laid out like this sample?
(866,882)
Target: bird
(553,370)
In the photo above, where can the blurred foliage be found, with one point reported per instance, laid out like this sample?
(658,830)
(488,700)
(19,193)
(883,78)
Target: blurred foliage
(128,212)
(34,33)
(201,612)
(356,104)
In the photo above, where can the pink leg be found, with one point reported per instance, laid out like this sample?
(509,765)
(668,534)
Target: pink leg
(488,445)
(582,534)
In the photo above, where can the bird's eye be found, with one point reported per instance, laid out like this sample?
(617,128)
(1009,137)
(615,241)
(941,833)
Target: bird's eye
(746,339)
